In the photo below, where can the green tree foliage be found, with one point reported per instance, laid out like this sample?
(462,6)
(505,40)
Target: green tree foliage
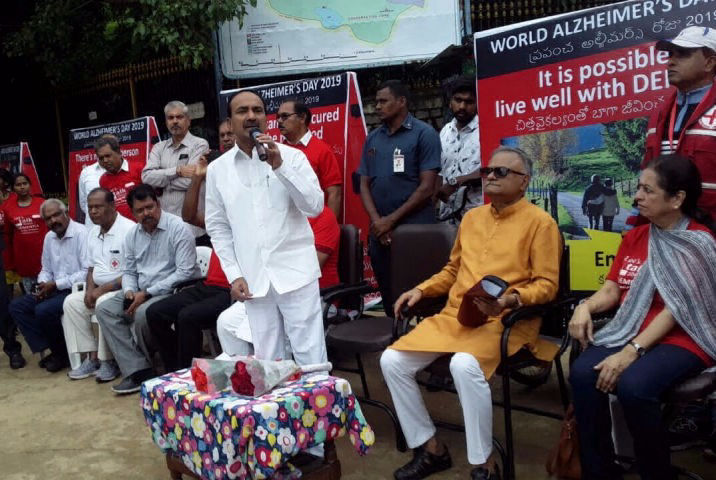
(625,140)
(72,40)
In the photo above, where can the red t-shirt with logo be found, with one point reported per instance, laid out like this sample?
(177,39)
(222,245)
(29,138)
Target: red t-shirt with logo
(26,231)
(120,184)
(215,276)
(327,235)
(632,254)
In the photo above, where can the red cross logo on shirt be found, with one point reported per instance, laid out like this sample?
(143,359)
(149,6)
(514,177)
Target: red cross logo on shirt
(708,119)
(114,263)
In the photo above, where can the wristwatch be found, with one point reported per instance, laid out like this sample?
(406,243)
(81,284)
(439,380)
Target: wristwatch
(452,181)
(640,351)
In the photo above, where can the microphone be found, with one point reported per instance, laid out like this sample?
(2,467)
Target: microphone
(255,132)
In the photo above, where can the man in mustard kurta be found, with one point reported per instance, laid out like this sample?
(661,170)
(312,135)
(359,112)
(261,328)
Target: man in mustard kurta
(514,240)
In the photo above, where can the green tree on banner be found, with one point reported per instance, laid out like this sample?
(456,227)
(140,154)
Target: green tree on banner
(625,140)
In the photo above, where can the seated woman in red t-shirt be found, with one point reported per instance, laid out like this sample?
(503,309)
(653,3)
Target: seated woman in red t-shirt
(663,281)
(25,229)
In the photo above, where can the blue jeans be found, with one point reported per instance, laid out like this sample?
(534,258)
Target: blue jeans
(639,390)
(41,321)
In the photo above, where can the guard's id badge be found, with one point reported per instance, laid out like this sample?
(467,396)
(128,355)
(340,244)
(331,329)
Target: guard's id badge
(398,161)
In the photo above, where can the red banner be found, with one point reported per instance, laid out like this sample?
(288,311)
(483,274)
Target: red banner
(16,158)
(337,119)
(136,138)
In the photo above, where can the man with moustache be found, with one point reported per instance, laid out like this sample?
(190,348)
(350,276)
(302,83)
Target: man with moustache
(686,123)
(119,176)
(294,118)
(227,139)
(256,214)
(38,314)
(172,162)
(105,252)
(514,240)
(460,155)
(159,253)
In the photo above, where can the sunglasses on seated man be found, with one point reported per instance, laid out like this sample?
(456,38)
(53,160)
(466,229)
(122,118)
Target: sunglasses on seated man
(500,172)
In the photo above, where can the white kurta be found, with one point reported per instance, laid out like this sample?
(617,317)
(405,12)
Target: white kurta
(257,220)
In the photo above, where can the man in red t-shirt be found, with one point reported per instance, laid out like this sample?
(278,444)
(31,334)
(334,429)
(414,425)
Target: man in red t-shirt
(327,234)
(120,177)
(294,119)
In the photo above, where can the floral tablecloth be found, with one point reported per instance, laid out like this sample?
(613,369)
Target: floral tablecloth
(224,435)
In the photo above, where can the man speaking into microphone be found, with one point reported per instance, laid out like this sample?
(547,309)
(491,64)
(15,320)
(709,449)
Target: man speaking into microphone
(256,215)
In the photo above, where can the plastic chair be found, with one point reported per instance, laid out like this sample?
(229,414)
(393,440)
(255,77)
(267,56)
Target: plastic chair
(203,254)
(555,316)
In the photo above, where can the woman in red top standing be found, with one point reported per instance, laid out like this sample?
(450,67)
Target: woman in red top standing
(5,194)
(663,281)
(26,230)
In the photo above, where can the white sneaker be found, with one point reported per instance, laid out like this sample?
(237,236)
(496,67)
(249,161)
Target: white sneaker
(88,368)
(108,371)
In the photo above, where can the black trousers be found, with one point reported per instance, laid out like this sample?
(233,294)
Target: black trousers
(190,311)
(8,329)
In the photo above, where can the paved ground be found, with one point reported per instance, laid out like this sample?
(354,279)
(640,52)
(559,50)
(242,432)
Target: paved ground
(573,204)
(57,429)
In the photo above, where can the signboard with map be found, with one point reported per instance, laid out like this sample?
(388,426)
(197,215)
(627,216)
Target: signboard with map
(281,37)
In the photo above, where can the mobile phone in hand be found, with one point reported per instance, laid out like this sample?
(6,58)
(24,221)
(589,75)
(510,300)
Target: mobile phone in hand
(127,302)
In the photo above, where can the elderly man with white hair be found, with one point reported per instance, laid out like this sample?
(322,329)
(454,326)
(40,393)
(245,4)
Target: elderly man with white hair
(64,262)
(172,162)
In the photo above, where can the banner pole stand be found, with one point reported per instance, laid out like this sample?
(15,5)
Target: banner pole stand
(62,143)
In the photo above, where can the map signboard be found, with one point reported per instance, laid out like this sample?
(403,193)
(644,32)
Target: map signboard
(281,37)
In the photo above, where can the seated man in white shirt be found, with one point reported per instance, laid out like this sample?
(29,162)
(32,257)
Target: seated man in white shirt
(38,314)
(256,215)
(105,253)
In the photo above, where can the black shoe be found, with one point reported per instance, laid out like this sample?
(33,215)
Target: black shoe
(17,360)
(423,464)
(480,473)
(55,363)
(133,382)
(43,361)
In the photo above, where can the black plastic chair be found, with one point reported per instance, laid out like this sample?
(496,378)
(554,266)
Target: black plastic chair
(555,316)
(696,388)
(348,339)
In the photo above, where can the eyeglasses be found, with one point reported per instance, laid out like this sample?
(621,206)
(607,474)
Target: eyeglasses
(285,116)
(500,172)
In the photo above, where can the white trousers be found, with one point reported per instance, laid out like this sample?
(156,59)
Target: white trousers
(296,314)
(77,325)
(234,330)
(399,369)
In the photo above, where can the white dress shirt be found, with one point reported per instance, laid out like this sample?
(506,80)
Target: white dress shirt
(106,252)
(88,181)
(257,219)
(156,262)
(64,260)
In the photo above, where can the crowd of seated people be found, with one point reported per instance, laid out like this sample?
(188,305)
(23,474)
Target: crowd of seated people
(140,281)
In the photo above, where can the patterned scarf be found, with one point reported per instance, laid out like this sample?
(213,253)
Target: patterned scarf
(681,266)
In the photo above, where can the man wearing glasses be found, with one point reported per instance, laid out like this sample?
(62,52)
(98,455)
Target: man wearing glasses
(294,118)
(514,240)
(686,123)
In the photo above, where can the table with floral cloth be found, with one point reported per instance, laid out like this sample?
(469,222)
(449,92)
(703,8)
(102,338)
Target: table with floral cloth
(225,435)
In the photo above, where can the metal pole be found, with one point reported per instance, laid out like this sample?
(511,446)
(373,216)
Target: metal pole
(132,92)
(62,143)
